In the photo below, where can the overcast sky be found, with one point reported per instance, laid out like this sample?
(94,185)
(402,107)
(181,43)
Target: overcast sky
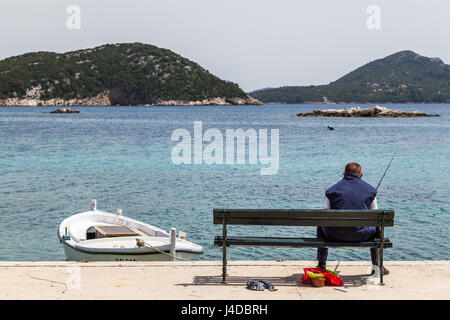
(256,43)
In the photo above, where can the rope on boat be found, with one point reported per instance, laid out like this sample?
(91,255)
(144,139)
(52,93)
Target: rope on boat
(142,243)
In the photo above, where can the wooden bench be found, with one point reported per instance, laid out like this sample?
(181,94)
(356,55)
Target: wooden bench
(310,218)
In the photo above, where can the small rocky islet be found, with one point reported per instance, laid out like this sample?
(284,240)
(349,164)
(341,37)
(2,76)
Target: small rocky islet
(373,112)
(63,110)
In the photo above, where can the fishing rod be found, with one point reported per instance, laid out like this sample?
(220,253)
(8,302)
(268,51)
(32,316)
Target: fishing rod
(386,169)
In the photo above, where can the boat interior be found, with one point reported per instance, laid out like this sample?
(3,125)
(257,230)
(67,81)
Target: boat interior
(101,225)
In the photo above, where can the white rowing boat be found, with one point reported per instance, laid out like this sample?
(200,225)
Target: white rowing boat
(102,236)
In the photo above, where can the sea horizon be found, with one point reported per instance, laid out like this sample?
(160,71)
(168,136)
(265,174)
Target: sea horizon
(266,103)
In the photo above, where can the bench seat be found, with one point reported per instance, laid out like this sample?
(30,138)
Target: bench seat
(233,241)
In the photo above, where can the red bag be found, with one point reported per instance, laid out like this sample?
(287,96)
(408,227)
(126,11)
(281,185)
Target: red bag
(331,279)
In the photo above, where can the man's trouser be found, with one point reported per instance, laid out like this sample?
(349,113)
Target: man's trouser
(367,234)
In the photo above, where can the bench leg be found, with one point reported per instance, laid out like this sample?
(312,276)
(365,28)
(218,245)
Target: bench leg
(224,263)
(224,250)
(381,250)
(381,267)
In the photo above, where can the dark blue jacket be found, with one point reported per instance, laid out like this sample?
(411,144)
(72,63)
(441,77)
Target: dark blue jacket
(349,193)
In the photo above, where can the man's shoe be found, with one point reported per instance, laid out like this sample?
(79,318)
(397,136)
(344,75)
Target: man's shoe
(321,266)
(377,268)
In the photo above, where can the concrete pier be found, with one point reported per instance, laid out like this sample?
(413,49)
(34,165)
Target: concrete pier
(202,280)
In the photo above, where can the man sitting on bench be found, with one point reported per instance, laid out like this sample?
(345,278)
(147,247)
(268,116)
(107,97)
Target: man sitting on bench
(354,194)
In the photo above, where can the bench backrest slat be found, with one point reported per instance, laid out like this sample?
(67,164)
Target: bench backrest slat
(308,217)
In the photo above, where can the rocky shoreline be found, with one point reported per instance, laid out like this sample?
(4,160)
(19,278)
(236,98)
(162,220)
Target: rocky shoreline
(375,112)
(103,99)
(249,101)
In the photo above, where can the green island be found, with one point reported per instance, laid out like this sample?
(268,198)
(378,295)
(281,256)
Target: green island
(399,78)
(113,74)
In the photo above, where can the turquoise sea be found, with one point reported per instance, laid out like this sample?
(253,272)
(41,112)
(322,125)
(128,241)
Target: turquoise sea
(51,166)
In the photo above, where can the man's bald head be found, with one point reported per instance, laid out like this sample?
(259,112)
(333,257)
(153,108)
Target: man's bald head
(353,167)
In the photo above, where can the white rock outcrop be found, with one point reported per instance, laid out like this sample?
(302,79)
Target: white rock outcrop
(375,111)
(104,100)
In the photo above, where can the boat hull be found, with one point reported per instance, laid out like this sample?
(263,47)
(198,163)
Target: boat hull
(72,254)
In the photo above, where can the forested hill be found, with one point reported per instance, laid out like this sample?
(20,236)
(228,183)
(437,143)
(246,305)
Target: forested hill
(402,77)
(131,73)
